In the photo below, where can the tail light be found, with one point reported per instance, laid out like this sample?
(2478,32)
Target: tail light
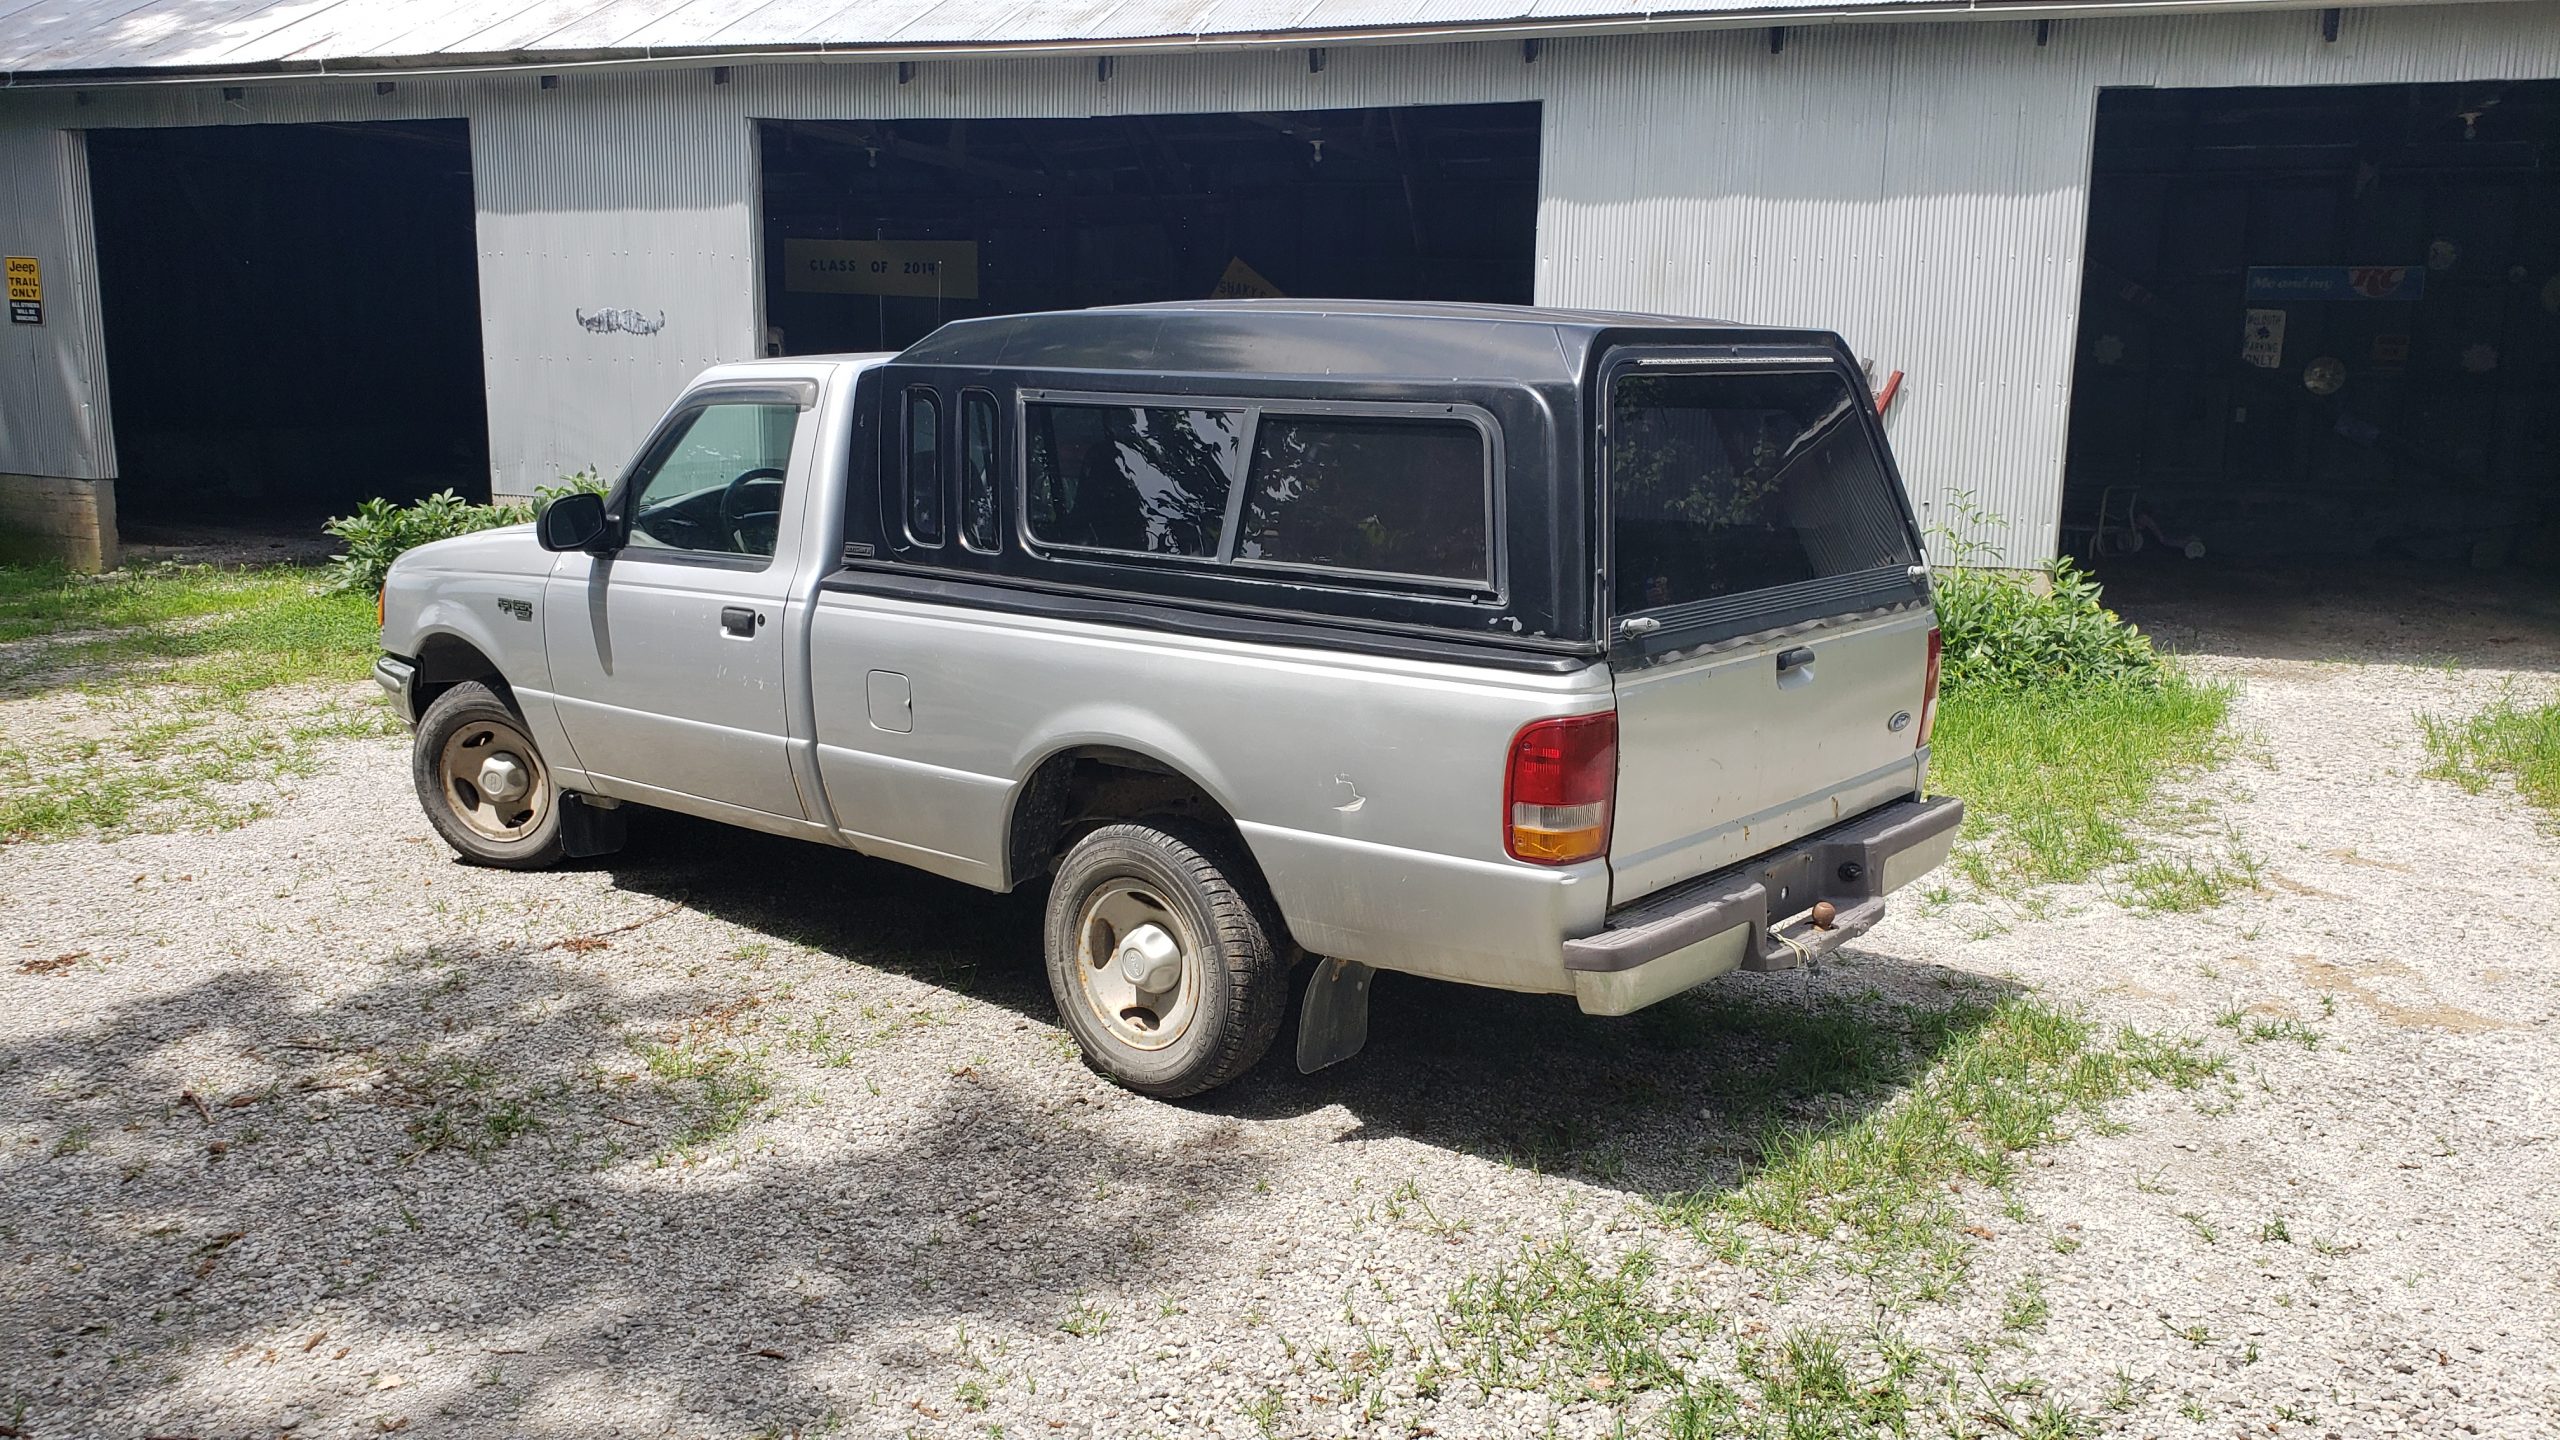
(1557,793)
(1929,695)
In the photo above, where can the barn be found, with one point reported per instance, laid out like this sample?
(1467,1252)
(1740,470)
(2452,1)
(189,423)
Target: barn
(2254,283)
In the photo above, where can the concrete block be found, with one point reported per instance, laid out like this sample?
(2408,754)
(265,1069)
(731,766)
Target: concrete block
(57,519)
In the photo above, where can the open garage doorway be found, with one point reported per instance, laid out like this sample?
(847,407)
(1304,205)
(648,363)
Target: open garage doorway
(292,321)
(2320,340)
(875,232)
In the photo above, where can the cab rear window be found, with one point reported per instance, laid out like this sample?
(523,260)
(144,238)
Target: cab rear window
(1728,484)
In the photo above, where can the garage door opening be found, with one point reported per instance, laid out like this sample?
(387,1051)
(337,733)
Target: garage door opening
(876,231)
(2320,335)
(292,320)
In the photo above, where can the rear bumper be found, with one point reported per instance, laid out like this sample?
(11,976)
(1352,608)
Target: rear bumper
(1745,917)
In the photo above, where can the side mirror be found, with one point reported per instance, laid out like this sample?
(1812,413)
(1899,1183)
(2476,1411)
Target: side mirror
(572,522)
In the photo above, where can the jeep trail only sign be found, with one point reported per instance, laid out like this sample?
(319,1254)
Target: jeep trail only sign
(26,290)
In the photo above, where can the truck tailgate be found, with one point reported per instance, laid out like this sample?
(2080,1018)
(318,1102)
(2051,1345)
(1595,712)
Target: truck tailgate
(1724,755)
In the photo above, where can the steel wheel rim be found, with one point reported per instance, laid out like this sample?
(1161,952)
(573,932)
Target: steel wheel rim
(493,781)
(1143,1014)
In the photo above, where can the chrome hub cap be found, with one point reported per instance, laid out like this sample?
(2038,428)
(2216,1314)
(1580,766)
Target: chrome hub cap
(1139,963)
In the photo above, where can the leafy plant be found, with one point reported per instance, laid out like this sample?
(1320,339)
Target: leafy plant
(381,532)
(2008,630)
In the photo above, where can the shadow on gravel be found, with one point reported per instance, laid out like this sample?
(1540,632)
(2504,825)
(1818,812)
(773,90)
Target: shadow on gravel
(459,1156)
(1674,1099)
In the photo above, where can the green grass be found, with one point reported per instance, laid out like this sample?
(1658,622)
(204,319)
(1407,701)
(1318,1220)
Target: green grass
(1553,1320)
(1979,1085)
(2178,885)
(171,663)
(2053,778)
(2507,739)
(233,632)
(721,1087)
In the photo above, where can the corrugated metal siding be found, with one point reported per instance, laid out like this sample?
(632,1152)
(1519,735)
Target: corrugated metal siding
(1920,188)
(632,195)
(53,382)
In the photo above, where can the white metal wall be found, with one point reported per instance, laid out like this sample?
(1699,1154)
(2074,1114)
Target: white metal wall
(1921,188)
(53,391)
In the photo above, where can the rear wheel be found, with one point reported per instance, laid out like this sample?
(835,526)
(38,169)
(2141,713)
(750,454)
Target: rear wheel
(484,786)
(1166,960)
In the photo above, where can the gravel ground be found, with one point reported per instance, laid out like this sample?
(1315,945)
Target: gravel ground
(305,1128)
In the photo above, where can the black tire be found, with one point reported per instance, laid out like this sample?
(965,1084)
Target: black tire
(461,732)
(1235,956)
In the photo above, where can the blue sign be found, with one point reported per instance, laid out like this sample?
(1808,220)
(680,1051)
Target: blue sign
(2280,283)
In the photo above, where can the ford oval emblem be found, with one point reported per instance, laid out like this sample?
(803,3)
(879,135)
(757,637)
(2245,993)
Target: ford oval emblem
(1901,720)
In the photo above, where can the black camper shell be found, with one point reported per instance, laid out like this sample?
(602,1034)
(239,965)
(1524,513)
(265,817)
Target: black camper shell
(956,439)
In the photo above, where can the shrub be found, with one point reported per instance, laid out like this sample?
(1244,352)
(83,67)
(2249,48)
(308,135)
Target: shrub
(2003,631)
(380,531)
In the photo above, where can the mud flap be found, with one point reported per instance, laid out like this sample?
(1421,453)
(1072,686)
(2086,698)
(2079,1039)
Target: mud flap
(590,827)
(1334,1022)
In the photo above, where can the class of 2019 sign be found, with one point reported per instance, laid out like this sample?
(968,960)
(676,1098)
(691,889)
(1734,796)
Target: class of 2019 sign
(947,269)
(2275,284)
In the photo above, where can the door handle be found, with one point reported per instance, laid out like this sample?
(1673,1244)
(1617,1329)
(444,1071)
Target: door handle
(1793,660)
(739,620)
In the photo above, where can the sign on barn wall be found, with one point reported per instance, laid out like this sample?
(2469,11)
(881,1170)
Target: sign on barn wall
(2336,282)
(928,268)
(1243,282)
(26,290)
(2262,339)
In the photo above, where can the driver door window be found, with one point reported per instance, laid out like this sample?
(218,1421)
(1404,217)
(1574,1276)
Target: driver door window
(715,487)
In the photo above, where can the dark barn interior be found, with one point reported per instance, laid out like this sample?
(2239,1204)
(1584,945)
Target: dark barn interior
(2320,323)
(292,319)
(1002,216)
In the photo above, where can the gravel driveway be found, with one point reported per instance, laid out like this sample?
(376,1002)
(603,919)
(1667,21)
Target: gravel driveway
(305,1128)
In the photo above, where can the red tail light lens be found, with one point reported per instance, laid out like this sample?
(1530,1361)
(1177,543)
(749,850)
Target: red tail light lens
(1557,793)
(1929,695)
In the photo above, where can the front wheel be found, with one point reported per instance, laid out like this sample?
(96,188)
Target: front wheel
(1166,960)
(483,783)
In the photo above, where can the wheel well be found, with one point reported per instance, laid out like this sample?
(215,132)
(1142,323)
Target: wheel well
(1080,790)
(445,661)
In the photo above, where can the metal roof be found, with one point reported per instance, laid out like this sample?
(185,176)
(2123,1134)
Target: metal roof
(140,39)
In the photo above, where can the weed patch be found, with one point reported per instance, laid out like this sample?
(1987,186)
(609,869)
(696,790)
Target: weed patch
(720,1086)
(2178,885)
(1871,1190)
(2507,739)
(1555,1321)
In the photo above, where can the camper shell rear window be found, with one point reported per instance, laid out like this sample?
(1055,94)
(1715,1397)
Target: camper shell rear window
(1735,494)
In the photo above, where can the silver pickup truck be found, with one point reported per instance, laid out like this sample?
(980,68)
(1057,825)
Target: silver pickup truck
(1283,641)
